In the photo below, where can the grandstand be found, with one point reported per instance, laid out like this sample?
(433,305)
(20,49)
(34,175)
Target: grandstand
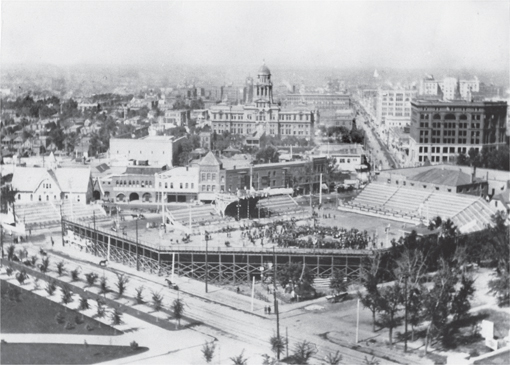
(469,213)
(280,204)
(40,214)
(204,214)
(47,215)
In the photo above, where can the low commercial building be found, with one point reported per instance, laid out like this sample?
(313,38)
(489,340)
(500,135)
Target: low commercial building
(349,157)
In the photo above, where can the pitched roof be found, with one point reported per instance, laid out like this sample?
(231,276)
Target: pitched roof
(443,177)
(74,180)
(28,178)
(209,160)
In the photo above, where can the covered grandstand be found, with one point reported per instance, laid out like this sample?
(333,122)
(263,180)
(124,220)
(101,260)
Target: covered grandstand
(469,213)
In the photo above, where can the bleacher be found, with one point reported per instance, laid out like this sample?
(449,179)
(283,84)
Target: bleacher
(82,212)
(469,213)
(39,214)
(280,204)
(204,214)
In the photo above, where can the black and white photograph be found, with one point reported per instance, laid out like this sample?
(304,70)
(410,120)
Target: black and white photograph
(255,182)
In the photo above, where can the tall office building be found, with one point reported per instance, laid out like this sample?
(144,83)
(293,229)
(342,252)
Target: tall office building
(440,130)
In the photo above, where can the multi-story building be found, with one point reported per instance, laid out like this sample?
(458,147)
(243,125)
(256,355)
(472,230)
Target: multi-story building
(263,115)
(325,103)
(394,104)
(441,130)
(177,185)
(178,117)
(449,88)
(150,150)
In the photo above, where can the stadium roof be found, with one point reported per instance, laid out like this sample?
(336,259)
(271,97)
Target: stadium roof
(443,177)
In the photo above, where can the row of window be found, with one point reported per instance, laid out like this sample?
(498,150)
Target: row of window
(133,183)
(262,117)
(181,185)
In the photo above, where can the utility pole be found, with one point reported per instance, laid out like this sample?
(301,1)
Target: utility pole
(276,301)
(95,232)
(206,261)
(137,261)
(405,315)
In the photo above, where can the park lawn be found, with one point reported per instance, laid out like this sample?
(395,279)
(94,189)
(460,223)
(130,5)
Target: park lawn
(49,353)
(36,314)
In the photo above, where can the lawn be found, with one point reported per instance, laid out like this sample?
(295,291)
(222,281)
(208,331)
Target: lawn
(35,314)
(36,353)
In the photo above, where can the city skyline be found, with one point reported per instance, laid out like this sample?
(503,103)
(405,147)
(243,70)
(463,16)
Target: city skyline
(404,34)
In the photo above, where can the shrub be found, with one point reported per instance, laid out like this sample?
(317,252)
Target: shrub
(474,353)
(91,278)
(51,287)
(239,359)
(116,317)
(303,351)
(45,264)
(84,304)
(139,296)
(333,359)
(100,309)
(69,326)
(157,301)
(75,275)
(34,259)
(37,284)
(60,318)
(78,319)
(9,270)
(10,252)
(67,294)
(208,351)
(21,276)
(121,283)
(134,345)
(89,327)
(277,345)
(61,267)
(103,284)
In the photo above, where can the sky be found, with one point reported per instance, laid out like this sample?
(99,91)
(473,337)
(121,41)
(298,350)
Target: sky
(397,34)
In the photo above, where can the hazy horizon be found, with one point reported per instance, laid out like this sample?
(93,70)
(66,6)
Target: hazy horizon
(408,35)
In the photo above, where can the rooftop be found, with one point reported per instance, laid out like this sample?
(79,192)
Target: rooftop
(443,177)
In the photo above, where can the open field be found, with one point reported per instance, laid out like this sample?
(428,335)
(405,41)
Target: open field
(35,314)
(55,353)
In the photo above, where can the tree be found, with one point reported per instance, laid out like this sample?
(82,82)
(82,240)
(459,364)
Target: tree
(184,150)
(293,273)
(103,284)
(338,281)
(178,310)
(460,304)
(84,304)
(303,351)
(157,301)
(91,278)
(60,267)
(333,359)
(277,345)
(370,279)
(268,154)
(121,283)
(239,359)
(8,197)
(116,317)
(139,295)
(208,351)
(67,294)
(437,301)
(390,298)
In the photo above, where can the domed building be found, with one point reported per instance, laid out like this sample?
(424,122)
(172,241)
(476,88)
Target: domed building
(263,115)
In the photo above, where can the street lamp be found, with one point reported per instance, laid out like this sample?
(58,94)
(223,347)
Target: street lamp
(276,301)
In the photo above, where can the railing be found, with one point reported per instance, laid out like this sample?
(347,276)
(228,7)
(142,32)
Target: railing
(194,248)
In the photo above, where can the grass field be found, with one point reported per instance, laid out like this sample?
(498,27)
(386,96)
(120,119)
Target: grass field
(35,314)
(36,353)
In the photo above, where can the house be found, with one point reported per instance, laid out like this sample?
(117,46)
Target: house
(501,202)
(40,184)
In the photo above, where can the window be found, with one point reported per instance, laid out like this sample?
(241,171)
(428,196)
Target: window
(171,185)
(208,176)
(208,187)
(186,185)
(19,196)
(180,186)
(166,185)
(203,187)
(192,185)
(203,176)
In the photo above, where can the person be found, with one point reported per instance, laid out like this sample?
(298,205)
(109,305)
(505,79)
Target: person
(238,290)
(268,309)
(265,309)
(53,242)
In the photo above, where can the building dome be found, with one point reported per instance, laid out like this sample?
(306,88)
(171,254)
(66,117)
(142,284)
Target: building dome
(264,70)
